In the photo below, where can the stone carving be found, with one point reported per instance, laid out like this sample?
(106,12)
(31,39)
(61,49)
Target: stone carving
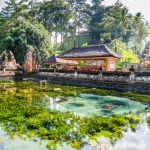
(4,59)
(8,60)
(11,59)
(32,61)
(28,61)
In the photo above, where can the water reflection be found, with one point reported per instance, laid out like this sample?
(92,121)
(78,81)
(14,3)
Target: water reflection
(16,143)
(54,105)
(138,140)
(87,104)
(90,104)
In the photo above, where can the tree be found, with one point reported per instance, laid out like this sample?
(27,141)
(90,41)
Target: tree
(55,16)
(81,16)
(14,8)
(125,19)
(140,30)
(127,54)
(24,34)
(97,15)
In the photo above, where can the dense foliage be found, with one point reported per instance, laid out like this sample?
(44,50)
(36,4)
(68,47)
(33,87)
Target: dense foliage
(24,34)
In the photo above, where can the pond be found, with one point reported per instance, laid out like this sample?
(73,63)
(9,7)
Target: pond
(61,117)
(91,104)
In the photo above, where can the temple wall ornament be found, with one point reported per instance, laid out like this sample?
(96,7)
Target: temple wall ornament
(8,60)
(32,60)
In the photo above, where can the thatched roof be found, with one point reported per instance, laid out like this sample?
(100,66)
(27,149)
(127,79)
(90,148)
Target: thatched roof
(90,51)
(55,60)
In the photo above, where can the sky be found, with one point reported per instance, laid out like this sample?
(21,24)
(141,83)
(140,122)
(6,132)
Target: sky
(133,5)
(2,4)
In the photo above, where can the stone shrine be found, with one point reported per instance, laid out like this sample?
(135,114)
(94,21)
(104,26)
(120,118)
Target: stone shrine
(8,60)
(32,61)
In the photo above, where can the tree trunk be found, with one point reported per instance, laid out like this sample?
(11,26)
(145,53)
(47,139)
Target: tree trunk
(74,37)
(61,41)
(78,37)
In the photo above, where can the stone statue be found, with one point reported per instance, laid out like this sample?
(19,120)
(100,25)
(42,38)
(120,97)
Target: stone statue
(101,69)
(36,60)
(28,61)
(132,73)
(4,59)
(8,60)
(11,60)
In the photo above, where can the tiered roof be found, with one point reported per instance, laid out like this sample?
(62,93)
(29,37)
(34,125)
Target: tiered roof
(89,51)
(54,59)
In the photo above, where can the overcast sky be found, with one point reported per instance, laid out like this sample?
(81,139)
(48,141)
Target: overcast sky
(2,3)
(133,5)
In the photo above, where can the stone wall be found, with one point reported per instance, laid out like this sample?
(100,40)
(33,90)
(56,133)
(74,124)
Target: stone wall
(106,76)
(7,77)
(10,75)
(124,81)
(142,87)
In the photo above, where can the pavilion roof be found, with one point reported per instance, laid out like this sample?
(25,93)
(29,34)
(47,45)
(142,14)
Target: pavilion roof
(54,59)
(89,51)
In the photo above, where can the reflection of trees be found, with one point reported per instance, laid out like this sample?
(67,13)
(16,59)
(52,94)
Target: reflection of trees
(42,101)
(21,114)
(8,90)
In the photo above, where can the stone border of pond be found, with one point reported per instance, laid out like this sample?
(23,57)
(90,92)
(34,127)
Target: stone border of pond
(140,87)
(110,82)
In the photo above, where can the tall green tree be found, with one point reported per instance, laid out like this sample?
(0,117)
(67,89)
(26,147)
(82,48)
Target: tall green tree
(81,16)
(23,34)
(98,13)
(55,16)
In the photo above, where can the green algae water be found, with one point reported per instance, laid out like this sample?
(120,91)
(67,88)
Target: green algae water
(91,104)
(62,117)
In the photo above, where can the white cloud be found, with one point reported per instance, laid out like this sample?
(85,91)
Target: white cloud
(2,4)
(134,6)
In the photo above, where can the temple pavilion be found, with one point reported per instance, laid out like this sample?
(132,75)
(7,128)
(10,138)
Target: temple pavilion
(93,57)
(55,60)
(60,63)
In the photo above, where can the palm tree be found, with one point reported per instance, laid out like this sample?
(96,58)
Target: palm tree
(137,19)
(140,28)
(122,20)
(125,18)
